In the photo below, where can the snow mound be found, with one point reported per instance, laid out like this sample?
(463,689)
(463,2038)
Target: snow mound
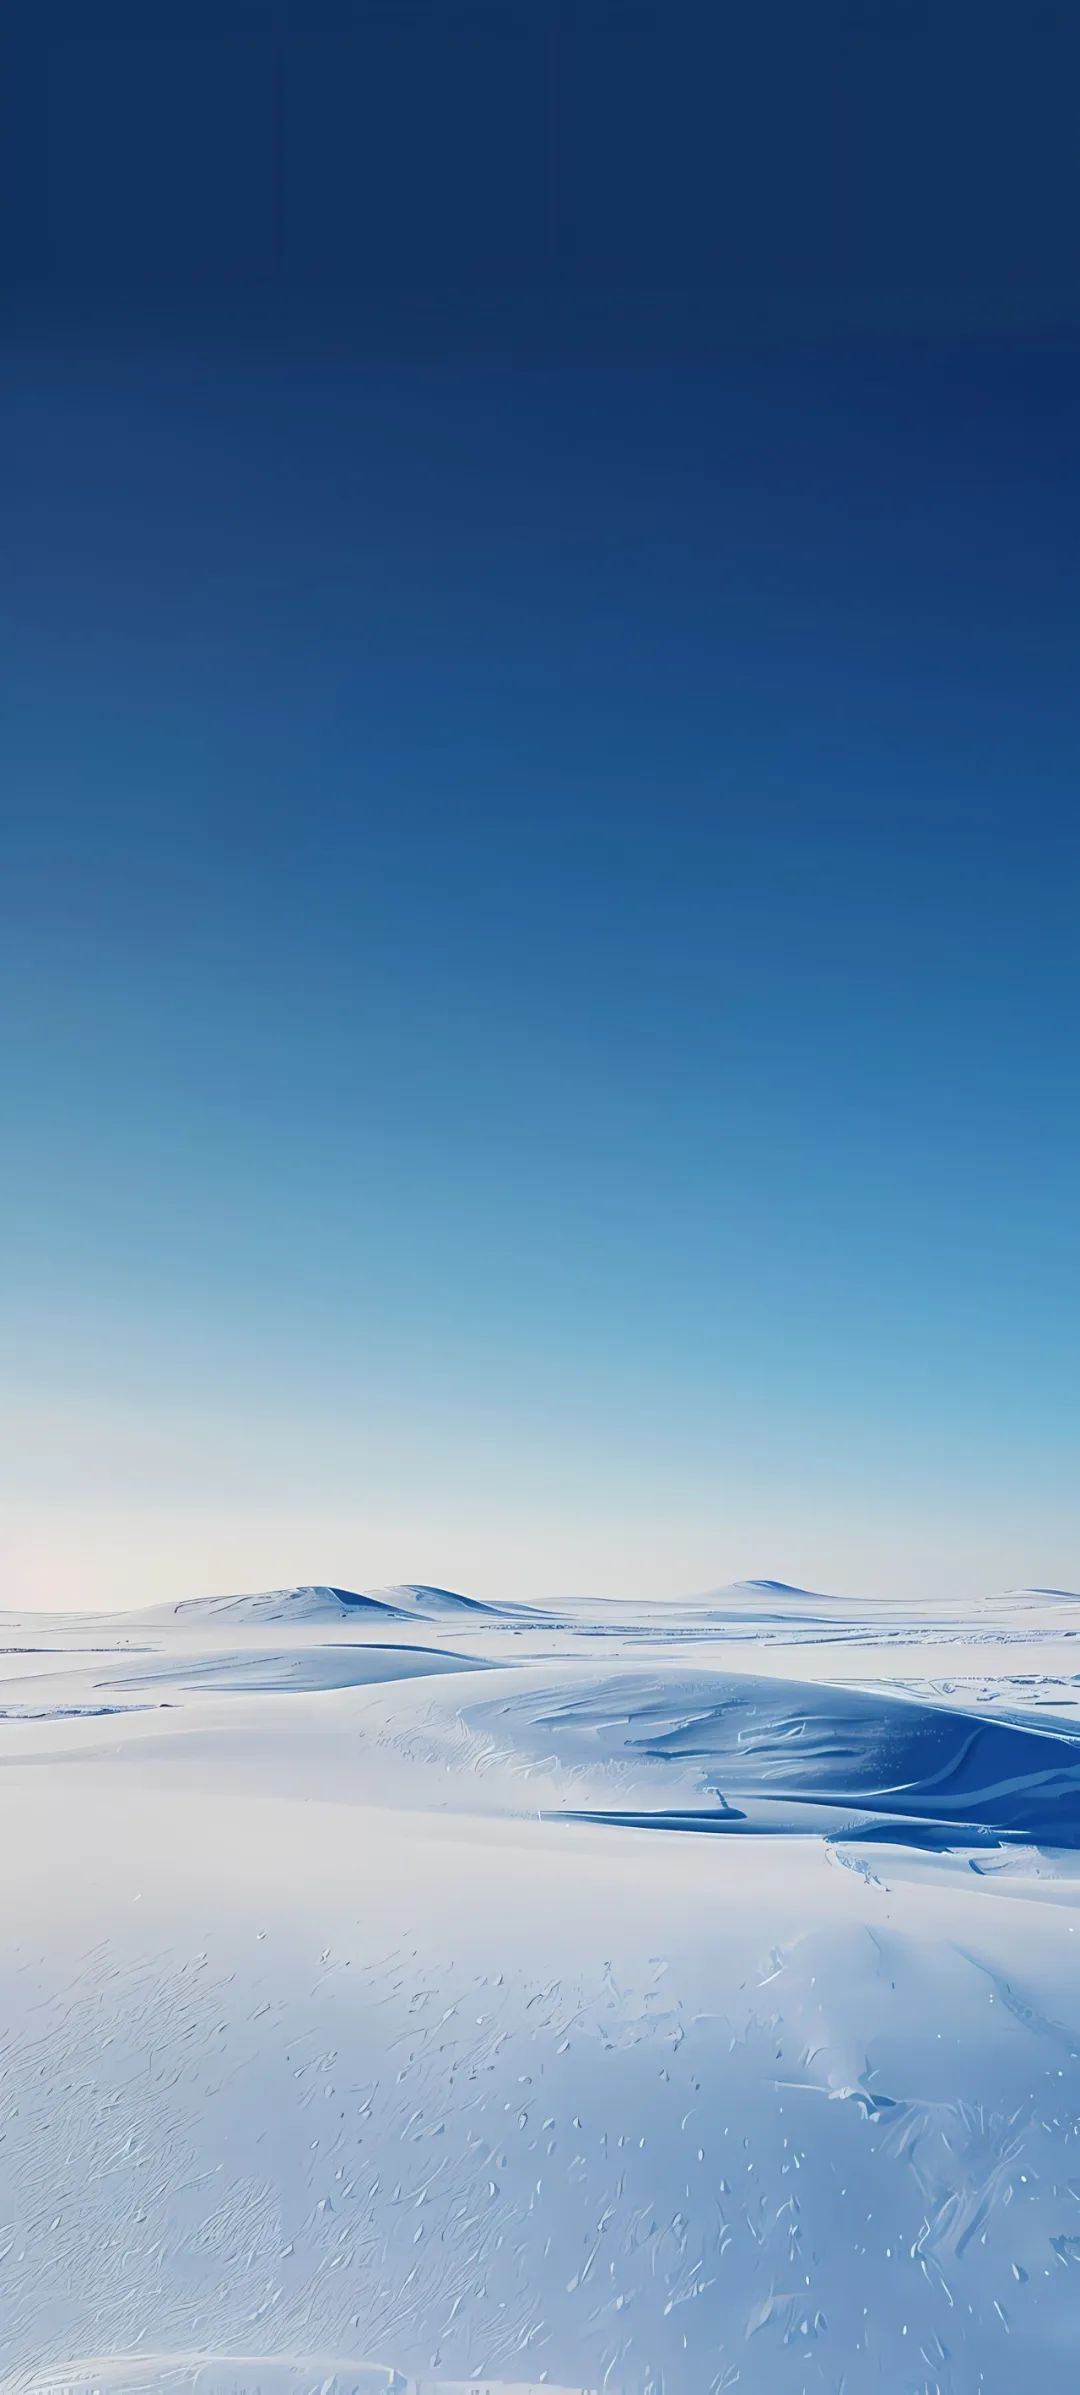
(747,1754)
(436,1604)
(768,1601)
(318,1602)
(1020,1596)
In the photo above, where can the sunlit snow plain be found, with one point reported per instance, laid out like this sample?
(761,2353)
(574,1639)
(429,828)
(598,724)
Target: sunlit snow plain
(405,1993)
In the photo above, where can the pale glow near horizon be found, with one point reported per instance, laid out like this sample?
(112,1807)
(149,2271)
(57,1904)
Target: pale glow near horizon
(139,1497)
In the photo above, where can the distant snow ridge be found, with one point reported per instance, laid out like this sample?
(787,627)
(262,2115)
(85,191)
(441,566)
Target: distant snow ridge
(321,1601)
(318,1602)
(767,1600)
(1014,1596)
(415,1596)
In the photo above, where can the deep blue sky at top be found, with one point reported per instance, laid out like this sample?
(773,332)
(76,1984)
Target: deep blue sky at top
(541,878)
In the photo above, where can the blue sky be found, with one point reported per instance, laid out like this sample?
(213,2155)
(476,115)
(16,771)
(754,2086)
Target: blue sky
(540,924)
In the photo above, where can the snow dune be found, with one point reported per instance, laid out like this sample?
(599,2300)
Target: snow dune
(775,1755)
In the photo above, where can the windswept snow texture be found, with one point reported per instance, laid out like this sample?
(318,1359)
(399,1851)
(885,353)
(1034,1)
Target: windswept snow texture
(402,1993)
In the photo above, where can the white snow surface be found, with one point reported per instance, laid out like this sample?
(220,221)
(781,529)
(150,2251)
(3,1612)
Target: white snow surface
(405,1993)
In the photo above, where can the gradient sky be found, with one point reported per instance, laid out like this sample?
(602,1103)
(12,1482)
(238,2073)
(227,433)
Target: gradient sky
(540,917)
